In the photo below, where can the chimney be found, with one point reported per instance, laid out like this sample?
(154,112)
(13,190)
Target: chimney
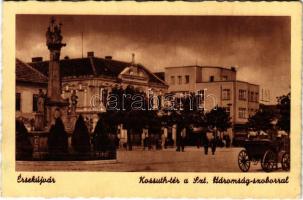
(233,69)
(66,57)
(90,54)
(108,57)
(37,59)
(133,58)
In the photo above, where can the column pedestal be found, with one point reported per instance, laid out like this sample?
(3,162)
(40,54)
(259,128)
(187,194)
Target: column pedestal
(39,122)
(55,109)
(70,123)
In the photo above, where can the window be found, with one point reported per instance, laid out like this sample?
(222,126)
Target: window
(242,94)
(256,96)
(172,80)
(251,112)
(104,93)
(159,102)
(224,78)
(227,109)
(252,96)
(186,79)
(226,94)
(211,78)
(18,101)
(35,102)
(179,80)
(201,94)
(200,97)
(242,113)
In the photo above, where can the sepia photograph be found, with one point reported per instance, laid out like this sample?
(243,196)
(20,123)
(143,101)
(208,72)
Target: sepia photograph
(152,93)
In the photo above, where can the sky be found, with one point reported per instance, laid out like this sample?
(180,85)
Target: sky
(259,46)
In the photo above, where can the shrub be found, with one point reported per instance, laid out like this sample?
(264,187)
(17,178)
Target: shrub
(100,136)
(81,138)
(24,148)
(58,139)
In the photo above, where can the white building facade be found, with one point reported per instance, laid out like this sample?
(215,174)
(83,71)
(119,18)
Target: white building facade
(91,79)
(219,86)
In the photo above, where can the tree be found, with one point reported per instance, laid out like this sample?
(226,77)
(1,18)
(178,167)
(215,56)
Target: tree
(261,121)
(24,147)
(219,118)
(81,138)
(100,135)
(130,109)
(185,114)
(58,139)
(284,111)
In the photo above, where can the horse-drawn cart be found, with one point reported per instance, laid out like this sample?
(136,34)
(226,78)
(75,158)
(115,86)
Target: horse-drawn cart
(269,153)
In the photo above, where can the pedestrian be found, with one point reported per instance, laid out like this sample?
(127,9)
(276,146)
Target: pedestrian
(149,142)
(178,139)
(182,139)
(208,140)
(198,139)
(163,139)
(145,143)
(214,140)
(205,141)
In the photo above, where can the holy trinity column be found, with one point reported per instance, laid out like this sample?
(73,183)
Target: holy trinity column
(56,106)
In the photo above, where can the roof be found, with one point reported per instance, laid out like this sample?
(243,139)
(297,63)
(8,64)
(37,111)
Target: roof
(231,81)
(26,73)
(109,67)
(203,66)
(161,75)
(91,66)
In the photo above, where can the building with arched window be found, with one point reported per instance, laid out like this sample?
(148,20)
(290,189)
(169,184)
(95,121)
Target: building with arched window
(91,78)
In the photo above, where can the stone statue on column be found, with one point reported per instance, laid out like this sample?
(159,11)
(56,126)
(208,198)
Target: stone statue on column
(53,36)
(39,116)
(74,102)
(41,101)
(54,100)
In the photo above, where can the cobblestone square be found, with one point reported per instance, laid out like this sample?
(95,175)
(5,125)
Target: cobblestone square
(139,160)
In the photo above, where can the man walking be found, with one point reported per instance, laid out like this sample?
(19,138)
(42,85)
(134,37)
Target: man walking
(205,141)
(214,140)
(209,140)
(182,139)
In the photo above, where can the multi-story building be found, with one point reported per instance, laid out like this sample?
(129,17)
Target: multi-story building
(90,78)
(219,86)
(93,78)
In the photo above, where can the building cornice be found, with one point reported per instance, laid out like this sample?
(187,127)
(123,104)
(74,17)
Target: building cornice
(228,82)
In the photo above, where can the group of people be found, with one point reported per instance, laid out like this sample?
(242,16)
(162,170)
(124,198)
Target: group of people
(150,141)
(210,138)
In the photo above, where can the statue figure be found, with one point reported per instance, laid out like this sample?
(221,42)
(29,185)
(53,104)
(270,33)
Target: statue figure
(41,101)
(49,36)
(74,101)
(53,36)
(57,35)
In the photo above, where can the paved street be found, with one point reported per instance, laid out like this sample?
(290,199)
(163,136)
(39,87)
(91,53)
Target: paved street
(168,160)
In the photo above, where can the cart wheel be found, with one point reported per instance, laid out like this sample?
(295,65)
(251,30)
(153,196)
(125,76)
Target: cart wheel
(243,161)
(269,161)
(285,162)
